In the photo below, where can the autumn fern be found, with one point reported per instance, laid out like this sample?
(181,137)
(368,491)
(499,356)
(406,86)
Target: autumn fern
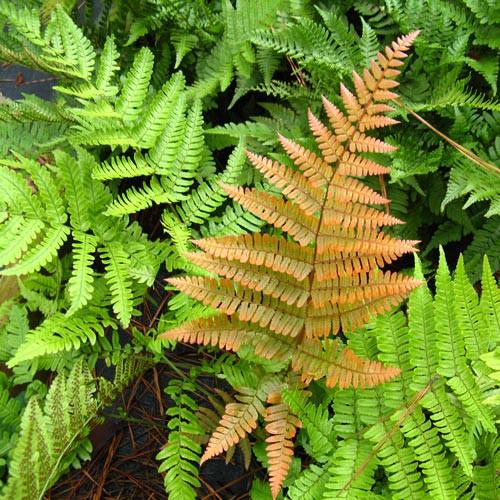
(287,297)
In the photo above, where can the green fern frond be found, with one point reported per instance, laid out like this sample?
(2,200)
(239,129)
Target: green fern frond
(311,483)
(78,49)
(424,440)
(468,313)
(107,69)
(80,287)
(209,196)
(347,480)
(483,243)
(182,451)
(490,301)
(182,172)
(162,155)
(122,167)
(159,112)
(53,433)
(41,254)
(135,88)
(135,199)
(315,420)
(117,264)
(60,333)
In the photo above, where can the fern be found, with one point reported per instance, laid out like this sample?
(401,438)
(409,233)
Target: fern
(61,49)
(286,317)
(414,424)
(54,434)
(39,229)
(182,450)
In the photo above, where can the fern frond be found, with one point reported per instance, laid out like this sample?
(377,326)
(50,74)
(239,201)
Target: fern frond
(121,167)
(277,285)
(315,420)
(183,170)
(159,112)
(341,368)
(281,425)
(490,301)
(107,68)
(40,254)
(451,348)
(80,285)
(182,450)
(261,250)
(60,333)
(423,438)
(296,292)
(209,195)
(283,215)
(135,88)
(347,459)
(239,418)
(311,483)
(117,264)
(247,304)
(21,233)
(468,313)
(135,199)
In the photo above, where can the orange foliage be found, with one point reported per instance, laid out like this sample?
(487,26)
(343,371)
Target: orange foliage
(286,299)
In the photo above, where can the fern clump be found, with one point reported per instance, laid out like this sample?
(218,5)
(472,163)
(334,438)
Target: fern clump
(286,297)
(69,204)
(429,426)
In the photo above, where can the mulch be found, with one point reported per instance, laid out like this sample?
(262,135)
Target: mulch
(123,465)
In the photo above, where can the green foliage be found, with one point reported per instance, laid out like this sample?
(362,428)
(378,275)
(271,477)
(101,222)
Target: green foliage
(182,452)
(53,432)
(106,183)
(430,424)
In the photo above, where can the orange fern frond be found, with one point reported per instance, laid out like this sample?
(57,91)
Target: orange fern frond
(295,186)
(363,242)
(327,279)
(278,285)
(248,305)
(272,252)
(346,189)
(281,425)
(357,166)
(375,86)
(314,168)
(239,418)
(355,215)
(283,215)
(363,287)
(231,335)
(216,331)
(286,299)
(333,264)
(342,368)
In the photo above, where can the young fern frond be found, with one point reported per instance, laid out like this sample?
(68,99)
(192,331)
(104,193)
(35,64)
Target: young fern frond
(60,47)
(240,418)
(136,85)
(283,297)
(281,426)
(53,435)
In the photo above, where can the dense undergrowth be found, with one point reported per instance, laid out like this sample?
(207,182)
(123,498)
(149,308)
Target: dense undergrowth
(176,126)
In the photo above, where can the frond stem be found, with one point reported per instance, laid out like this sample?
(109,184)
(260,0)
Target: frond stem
(489,167)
